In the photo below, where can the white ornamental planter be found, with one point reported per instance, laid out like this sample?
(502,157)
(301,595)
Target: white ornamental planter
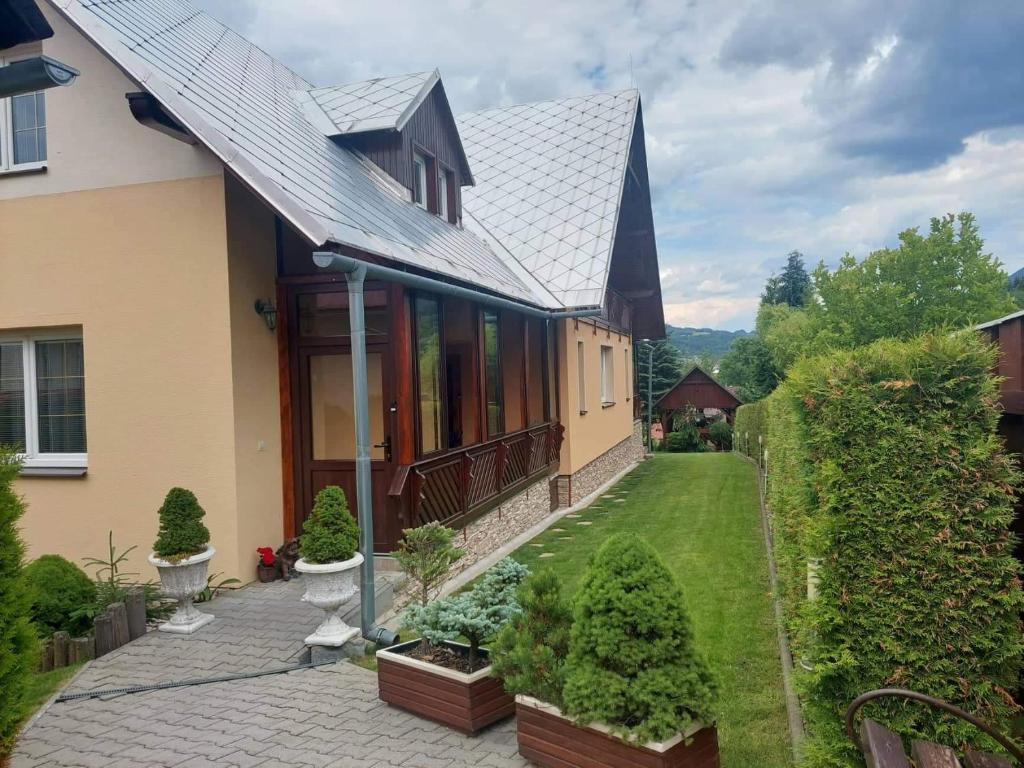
(182,581)
(328,587)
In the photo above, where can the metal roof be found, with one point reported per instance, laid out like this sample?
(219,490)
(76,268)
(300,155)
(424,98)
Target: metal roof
(240,102)
(371,105)
(549,181)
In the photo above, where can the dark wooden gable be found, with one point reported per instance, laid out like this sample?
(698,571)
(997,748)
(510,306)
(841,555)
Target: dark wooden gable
(634,268)
(697,389)
(431,129)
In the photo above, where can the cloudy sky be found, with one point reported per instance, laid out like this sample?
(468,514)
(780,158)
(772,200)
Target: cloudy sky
(771,126)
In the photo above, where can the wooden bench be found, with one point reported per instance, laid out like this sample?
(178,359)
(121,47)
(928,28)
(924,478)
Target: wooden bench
(884,749)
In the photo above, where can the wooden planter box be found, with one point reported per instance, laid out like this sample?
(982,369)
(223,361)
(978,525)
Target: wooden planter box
(465,702)
(549,739)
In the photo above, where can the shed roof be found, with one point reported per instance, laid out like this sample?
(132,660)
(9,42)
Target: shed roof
(699,389)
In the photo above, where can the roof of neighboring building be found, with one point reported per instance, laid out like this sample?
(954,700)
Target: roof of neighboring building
(549,179)
(999,320)
(709,391)
(541,221)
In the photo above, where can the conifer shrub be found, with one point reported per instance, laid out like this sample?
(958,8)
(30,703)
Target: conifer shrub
(632,663)
(330,533)
(721,435)
(886,470)
(182,533)
(59,591)
(18,645)
(685,439)
(529,653)
(426,554)
(476,614)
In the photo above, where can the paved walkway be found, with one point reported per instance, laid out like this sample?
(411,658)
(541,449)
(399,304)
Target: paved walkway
(327,716)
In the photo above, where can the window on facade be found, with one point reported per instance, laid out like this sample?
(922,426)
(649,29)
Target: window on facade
(419,179)
(428,371)
(492,374)
(626,374)
(42,398)
(22,130)
(581,362)
(607,376)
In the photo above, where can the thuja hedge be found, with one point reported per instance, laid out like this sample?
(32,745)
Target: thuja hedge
(750,422)
(886,471)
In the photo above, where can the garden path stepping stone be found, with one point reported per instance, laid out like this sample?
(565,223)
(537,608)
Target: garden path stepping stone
(558,530)
(584,522)
(547,554)
(537,545)
(620,501)
(574,515)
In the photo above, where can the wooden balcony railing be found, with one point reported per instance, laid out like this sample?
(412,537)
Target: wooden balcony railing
(452,488)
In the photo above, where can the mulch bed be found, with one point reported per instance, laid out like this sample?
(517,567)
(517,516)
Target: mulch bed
(448,658)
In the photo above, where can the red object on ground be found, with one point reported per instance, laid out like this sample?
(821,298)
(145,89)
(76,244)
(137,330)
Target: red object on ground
(266,555)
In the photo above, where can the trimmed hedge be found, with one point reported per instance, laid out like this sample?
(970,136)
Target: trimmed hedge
(886,469)
(59,589)
(750,422)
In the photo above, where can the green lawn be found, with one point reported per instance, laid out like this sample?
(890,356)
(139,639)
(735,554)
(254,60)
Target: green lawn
(701,512)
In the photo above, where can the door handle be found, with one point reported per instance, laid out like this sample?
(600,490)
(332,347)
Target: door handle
(386,445)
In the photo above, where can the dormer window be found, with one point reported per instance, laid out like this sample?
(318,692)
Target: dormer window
(420,166)
(442,195)
(22,130)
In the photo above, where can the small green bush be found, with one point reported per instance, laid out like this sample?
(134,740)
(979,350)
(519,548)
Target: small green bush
(182,533)
(18,645)
(59,589)
(330,533)
(632,662)
(685,439)
(476,614)
(529,653)
(426,554)
(721,435)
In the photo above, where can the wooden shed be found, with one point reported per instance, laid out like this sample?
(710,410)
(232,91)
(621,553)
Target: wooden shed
(700,390)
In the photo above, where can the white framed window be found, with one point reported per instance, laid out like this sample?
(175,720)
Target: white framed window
(628,378)
(22,129)
(419,180)
(607,376)
(442,195)
(42,397)
(581,362)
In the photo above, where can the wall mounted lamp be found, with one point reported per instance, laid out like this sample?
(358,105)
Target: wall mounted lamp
(266,308)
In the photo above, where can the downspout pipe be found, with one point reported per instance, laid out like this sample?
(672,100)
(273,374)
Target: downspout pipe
(356,272)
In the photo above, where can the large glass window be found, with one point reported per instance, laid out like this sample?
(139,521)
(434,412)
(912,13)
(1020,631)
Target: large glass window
(428,371)
(492,374)
(42,398)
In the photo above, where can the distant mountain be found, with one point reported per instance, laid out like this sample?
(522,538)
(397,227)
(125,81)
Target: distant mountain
(696,341)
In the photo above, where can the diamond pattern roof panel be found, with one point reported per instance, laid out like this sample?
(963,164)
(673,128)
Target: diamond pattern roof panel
(241,103)
(373,105)
(549,179)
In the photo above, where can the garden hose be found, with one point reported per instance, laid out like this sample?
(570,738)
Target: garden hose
(115,692)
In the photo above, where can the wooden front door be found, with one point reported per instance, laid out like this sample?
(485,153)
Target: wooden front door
(325,445)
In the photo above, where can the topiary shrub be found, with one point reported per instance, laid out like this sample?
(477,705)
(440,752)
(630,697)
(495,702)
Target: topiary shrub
(18,646)
(721,435)
(182,533)
(887,469)
(685,439)
(330,533)
(632,662)
(59,591)
(476,614)
(529,653)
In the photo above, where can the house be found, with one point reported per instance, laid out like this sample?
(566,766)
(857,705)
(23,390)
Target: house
(163,321)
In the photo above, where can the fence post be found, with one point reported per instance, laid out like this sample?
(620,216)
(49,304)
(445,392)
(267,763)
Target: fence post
(135,603)
(104,634)
(60,649)
(118,624)
(82,649)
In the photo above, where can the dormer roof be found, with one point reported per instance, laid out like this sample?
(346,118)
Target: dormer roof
(380,104)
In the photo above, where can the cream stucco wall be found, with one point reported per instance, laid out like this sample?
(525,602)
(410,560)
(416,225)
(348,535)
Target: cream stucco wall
(92,139)
(590,434)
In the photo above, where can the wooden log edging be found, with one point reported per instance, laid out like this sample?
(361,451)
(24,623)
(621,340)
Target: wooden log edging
(117,626)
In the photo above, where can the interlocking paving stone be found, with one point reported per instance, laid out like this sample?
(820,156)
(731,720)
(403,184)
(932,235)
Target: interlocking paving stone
(328,716)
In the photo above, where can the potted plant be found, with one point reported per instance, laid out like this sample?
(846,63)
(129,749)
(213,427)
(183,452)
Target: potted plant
(266,566)
(328,562)
(181,554)
(631,689)
(444,680)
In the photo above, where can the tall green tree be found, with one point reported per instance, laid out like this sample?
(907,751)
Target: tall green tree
(793,287)
(942,279)
(17,637)
(750,368)
(667,367)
